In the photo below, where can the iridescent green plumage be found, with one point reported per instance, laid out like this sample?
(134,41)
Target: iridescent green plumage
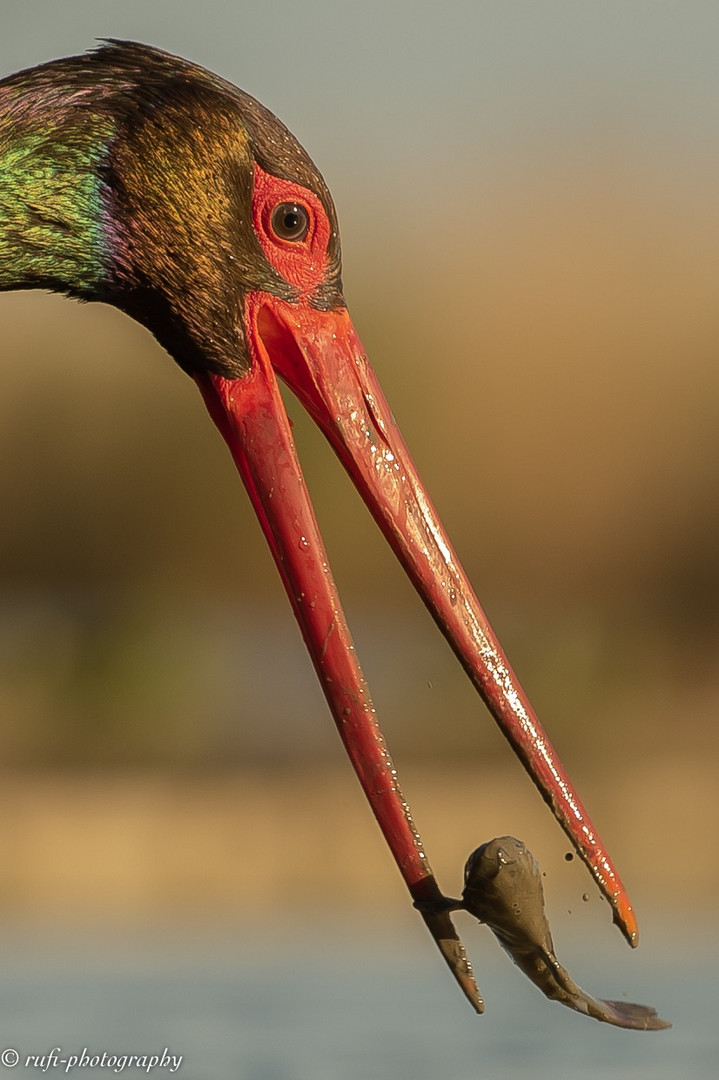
(51,231)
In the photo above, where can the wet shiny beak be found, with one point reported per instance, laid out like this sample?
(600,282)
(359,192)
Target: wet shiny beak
(319,356)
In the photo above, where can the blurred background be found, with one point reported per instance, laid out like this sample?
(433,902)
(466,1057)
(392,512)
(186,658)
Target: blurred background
(529,202)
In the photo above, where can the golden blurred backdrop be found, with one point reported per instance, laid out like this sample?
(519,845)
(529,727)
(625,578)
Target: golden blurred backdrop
(545,327)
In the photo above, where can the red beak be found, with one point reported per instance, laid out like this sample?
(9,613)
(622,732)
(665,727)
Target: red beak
(319,355)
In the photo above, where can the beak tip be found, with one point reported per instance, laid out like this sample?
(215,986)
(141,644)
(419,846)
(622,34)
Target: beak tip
(626,920)
(441,927)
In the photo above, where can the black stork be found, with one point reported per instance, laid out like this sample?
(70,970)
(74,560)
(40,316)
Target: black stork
(134,177)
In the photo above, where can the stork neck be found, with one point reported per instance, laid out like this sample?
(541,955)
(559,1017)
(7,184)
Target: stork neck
(51,228)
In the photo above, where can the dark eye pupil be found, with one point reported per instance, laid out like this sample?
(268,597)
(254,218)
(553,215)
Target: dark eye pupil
(290,221)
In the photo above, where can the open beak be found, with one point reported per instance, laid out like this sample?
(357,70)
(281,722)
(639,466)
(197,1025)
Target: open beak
(320,357)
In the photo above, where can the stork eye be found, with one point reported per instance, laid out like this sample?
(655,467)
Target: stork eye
(290,221)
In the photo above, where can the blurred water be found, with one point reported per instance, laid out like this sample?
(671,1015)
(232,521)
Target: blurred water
(277,1005)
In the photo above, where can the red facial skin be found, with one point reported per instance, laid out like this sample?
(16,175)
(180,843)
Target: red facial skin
(318,354)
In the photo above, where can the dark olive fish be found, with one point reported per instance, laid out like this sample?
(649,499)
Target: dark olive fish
(503,888)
